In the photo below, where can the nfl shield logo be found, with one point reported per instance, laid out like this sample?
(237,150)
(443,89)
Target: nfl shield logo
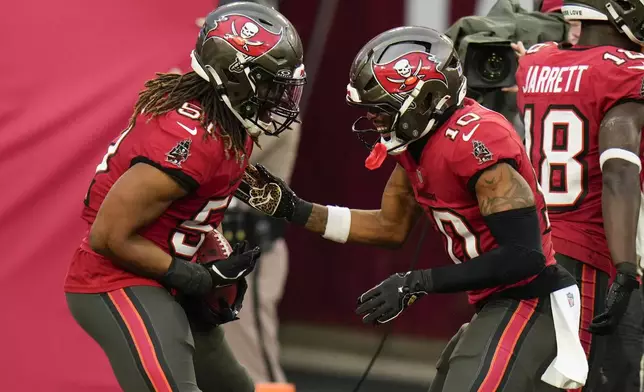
(571,299)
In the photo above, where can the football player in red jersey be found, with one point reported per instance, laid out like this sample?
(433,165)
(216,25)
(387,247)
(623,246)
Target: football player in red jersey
(583,112)
(466,168)
(163,184)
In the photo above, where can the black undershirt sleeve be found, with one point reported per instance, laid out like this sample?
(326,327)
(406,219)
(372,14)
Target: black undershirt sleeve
(518,256)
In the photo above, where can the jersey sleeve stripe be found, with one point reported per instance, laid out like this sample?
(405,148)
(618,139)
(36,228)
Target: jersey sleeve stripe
(184,180)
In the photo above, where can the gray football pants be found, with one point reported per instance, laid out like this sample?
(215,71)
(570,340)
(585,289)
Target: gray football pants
(151,346)
(506,347)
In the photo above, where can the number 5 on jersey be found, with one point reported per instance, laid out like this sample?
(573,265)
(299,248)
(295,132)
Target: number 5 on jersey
(190,234)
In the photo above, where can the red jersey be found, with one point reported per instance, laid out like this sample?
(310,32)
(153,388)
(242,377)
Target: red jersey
(474,139)
(201,160)
(564,93)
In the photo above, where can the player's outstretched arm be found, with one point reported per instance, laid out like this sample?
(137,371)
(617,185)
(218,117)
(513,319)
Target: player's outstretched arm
(619,148)
(387,226)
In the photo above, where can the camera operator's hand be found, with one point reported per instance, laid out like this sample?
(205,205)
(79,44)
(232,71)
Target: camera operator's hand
(519,50)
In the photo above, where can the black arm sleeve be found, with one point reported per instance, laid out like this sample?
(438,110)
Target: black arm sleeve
(519,256)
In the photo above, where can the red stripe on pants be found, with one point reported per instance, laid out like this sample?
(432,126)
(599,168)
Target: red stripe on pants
(141,338)
(507,344)
(588,288)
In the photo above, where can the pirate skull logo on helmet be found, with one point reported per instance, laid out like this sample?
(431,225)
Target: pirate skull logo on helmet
(249,30)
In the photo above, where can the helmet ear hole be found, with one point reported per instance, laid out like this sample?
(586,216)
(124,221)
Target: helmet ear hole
(232,78)
(233,89)
(427,105)
(625,5)
(453,63)
(371,84)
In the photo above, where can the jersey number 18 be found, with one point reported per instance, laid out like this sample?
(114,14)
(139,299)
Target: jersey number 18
(562,171)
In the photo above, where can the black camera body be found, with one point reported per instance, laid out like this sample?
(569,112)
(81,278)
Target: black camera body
(490,65)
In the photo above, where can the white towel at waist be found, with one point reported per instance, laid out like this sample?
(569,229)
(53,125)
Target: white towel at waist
(569,369)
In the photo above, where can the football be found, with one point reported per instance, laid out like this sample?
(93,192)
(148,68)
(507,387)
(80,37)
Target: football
(214,248)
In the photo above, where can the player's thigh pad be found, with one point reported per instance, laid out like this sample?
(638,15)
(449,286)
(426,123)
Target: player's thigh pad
(442,365)
(216,367)
(506,347)
(145,334)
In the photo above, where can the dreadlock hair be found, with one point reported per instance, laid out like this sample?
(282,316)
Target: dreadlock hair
(169,91)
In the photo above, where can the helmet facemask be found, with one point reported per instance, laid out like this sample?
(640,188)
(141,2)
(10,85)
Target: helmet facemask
(275,104)
(270,95)
(384,121)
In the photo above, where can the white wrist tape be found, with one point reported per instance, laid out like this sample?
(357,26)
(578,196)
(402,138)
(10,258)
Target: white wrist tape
(618,153)
(338,224)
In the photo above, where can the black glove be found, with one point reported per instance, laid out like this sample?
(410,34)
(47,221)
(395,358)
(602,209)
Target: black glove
(240,263)
(270,195)
(617,299)
(386,301)
(204,316)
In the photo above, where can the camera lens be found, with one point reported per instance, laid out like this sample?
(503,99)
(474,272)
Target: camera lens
(492,67)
